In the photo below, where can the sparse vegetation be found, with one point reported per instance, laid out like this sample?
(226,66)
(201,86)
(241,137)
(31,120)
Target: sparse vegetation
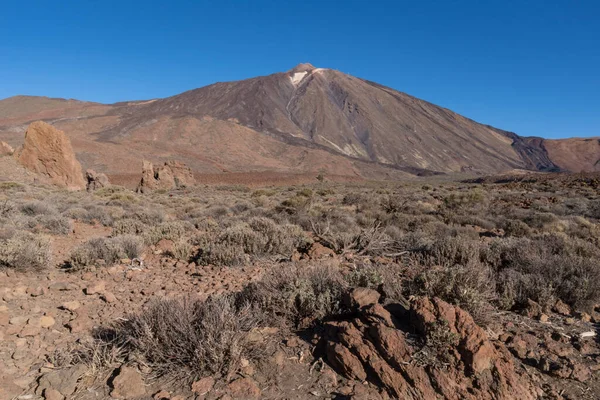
(24,251)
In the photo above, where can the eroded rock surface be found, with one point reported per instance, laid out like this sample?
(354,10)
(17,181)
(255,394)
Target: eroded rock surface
(47,151)
(464,364)
(171,175)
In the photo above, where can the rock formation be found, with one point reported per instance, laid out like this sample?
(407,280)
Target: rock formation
(171,175)
(6,149)
(47,151)
(95,180)
(452,357)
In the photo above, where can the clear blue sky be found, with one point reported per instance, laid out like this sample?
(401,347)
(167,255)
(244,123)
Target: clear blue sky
(532,67)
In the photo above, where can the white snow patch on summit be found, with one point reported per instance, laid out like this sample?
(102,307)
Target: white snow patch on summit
(297,77)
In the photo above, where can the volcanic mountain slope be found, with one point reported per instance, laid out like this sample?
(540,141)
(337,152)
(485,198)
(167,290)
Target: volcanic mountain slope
(304,120)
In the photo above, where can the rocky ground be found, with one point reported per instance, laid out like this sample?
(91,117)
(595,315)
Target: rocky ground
(378,291)
(372,354)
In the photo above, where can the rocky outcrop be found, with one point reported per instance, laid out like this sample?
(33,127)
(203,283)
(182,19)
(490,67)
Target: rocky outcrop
(95,180)
(452,357)
(171,175)
(47,151)
(6,149)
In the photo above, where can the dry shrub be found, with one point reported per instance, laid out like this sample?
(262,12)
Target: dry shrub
(23,251)
(129,226)
(469,286)
(260,237)
(110,250)
(90,215)
(172,230)
(182,249)
(56,224)
(34,208)
(297,295)
(188,339)
(545,268)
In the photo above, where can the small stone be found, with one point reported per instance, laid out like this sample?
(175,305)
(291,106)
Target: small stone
(243,388)
(361,297)
(47,321)
(585,317)
(71,305)
(19,320)
(162,395)
(53,394)
(108,297)
(128,384)
(203,386)
(62,286)
(561,308)
(570,321)
(96,288)
(544,318)
(35,292)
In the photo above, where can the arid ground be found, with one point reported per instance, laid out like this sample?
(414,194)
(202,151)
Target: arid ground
(419,289)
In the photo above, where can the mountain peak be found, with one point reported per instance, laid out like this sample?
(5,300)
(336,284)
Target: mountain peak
(302,67)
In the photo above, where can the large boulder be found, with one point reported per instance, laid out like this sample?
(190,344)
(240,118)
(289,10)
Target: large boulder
(450,358)
(47,151)
(6,149)
(171,175)
(95,180)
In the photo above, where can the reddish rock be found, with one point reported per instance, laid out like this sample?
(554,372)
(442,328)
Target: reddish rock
(318,251)
(561,308)
(95,180)
(6,149)
(244,388)
(361,297)
(171,175)
(345,362)
(203,386)
(371,347)
(96,288)
(47,151)
(127,384)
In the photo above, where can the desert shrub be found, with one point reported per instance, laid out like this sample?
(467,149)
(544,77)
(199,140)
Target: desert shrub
(172,230)
(546,268)
(469,286)
(451,250)
(24,251)
(35,208)
(538,220)
(515,227)
(439,343)
(217,253)
(279,239)
(7,208)
(295,204)
(90,215)
(56,224)
(335,229)
(129,226)
(306,192)
(297,295)
(188,339)
(364,276)
(10,185)
(260,237)
(110,250)
(206,224)
(150,217)
(263,192)
(458,200)
(182,249)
